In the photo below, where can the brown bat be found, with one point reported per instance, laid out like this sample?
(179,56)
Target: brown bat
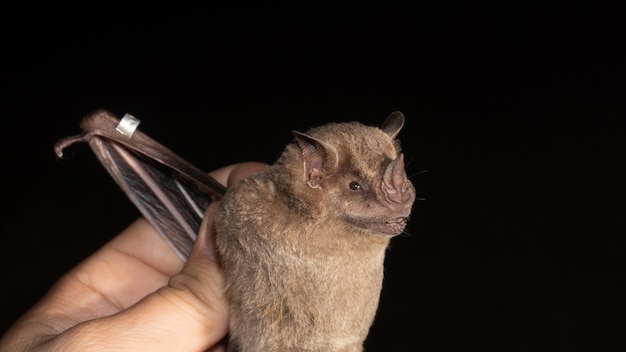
(302,245)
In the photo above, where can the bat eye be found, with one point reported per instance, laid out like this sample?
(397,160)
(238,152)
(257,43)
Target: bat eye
(355,186)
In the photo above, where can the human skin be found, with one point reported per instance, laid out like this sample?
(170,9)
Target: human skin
(135,293)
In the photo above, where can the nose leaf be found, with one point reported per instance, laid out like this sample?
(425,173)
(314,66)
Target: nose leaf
(396,185)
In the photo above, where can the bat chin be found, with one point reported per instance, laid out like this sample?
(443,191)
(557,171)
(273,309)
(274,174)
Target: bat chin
(381,227)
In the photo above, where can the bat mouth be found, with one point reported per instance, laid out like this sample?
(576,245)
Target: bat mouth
(385,227)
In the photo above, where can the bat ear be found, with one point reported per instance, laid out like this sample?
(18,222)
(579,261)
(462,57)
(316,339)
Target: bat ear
(320,158)
(393,124)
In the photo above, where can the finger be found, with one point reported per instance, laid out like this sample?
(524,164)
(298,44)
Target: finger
(137,262)
(189,314)
(242,170)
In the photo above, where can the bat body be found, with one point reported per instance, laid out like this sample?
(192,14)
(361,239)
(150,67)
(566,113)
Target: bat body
(302,245)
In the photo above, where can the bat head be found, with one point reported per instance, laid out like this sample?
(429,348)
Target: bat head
(356,174)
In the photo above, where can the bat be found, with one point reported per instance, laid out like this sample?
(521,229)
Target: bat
(302,245)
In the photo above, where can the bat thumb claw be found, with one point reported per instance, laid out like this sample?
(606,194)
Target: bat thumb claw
(63,143)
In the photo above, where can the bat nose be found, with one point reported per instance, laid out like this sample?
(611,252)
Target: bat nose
(396,186)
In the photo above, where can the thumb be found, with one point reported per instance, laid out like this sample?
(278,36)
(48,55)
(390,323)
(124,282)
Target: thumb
(199,287)
(189,314)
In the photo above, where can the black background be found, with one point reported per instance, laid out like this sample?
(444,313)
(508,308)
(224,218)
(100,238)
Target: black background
(516,113)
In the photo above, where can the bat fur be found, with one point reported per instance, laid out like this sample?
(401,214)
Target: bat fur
(303,244)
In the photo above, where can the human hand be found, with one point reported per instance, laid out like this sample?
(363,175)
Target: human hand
(134,294)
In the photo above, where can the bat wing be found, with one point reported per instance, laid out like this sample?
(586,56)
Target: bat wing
(170,193)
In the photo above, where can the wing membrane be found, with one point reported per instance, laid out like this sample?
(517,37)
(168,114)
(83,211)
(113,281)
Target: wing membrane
(170,193)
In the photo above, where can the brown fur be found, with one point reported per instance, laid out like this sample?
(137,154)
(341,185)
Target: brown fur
(303,248)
